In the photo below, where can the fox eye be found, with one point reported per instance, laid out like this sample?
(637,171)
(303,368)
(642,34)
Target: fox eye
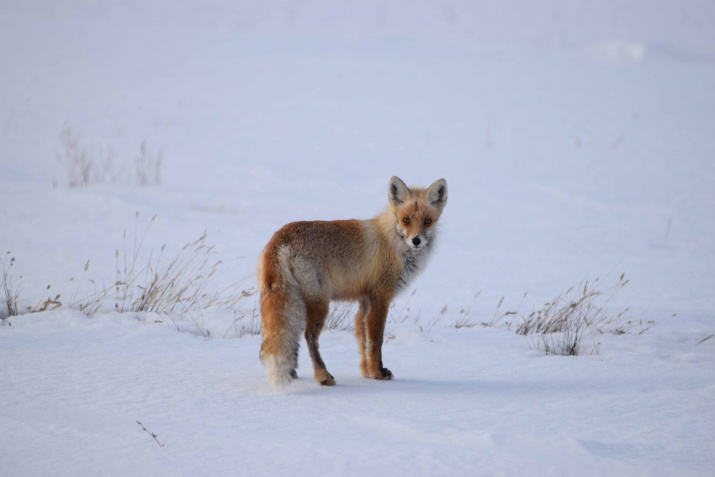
(428,221)
(406,220)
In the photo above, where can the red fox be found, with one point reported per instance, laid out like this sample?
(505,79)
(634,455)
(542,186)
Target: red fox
(308,264)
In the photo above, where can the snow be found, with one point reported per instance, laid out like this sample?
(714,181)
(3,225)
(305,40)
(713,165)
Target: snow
(577,140)
(469,401)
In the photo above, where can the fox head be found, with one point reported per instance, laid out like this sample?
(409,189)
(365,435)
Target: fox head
(417,210)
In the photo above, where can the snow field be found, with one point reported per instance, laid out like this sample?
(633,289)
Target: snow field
(469,401)
(577,141)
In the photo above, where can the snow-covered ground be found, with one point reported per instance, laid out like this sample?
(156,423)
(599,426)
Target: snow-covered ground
(577,139)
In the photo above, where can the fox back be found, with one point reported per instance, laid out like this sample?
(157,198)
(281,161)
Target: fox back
(306,265)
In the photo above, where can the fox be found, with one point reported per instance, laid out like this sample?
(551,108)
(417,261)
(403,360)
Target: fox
(307,265)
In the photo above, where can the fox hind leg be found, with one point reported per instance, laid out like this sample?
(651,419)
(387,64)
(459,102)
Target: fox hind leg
(317,312)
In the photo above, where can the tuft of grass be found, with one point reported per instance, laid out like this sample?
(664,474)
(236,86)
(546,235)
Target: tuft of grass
(182,284)
(85,166)
(252,328)
(95,165)
(11,291)
(561,324)
(147,166)
(436,320)
(466,320)
(46,303)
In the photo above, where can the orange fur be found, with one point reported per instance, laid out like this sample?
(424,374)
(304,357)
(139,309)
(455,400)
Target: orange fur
(306,265)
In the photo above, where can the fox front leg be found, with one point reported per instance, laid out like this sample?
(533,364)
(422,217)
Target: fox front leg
(374,331)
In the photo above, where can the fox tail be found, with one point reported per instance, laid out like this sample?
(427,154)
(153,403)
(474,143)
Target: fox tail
(283,315)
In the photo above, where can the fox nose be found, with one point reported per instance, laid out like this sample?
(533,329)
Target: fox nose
(416,241)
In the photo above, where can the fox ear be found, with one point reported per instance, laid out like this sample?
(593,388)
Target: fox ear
(437,194)
(398,191)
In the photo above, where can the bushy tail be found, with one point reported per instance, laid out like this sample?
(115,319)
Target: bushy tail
(282,317)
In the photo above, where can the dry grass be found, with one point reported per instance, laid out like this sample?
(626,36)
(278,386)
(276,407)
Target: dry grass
(153,435)
(341,317)
(95,165)
(404,314)
(466,320)
(86,166)
(9,288)
(561,324)
(705,339)
(44,303)
(181,284)
(252,328)
(147,167)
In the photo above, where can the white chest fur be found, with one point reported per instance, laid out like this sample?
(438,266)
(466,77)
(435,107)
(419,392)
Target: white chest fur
(413,262)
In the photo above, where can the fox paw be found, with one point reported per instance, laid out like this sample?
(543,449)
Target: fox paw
(293,374)
(324,378)
(382,374)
